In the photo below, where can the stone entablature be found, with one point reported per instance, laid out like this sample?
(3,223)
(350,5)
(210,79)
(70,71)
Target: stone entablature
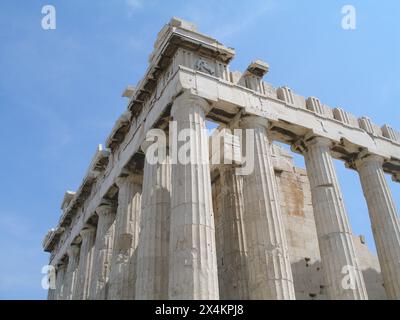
(185,64)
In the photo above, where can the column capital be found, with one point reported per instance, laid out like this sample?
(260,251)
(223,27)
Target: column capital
(365,157)
(302,144)
(73,250)
(146,144)
(87,230)
(251,122)
(105,209)
(123,180)
(188,99)
(60,265)
(317,141)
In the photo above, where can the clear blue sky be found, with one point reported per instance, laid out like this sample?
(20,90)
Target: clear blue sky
(60,91)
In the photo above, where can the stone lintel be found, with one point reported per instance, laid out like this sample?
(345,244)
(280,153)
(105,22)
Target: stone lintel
(116,135)
(80,196)
(100,159)
(176,34)
(129,91)
(68,196)
(51,238)
(258,68)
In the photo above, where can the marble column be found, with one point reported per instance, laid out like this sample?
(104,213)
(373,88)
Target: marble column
(122,273)
(52,279)
(51,294)
(234,244)
(60,281)
(268,263)
(384,220)
(338,255)
(193,261)
(88,235)
(153,247)
(103,252)
(72,269)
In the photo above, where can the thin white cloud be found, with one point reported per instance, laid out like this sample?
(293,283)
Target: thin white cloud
(58,130)
(226,19)
(247,18)
(134,4)
(18,227)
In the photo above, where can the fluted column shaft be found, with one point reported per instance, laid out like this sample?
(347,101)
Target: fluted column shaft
(384,220)
(60,281)
(103,252)
(82,286)
(73,262)
(52,280)
(234,244)
(268,263)
(338,255)
(51,294)
(153,248)
(193,261)
(123,271)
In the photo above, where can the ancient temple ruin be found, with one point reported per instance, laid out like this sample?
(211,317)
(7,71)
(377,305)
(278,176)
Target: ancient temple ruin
(198,230)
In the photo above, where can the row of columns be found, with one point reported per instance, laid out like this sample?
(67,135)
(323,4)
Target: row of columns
(336,245)
(159,243)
